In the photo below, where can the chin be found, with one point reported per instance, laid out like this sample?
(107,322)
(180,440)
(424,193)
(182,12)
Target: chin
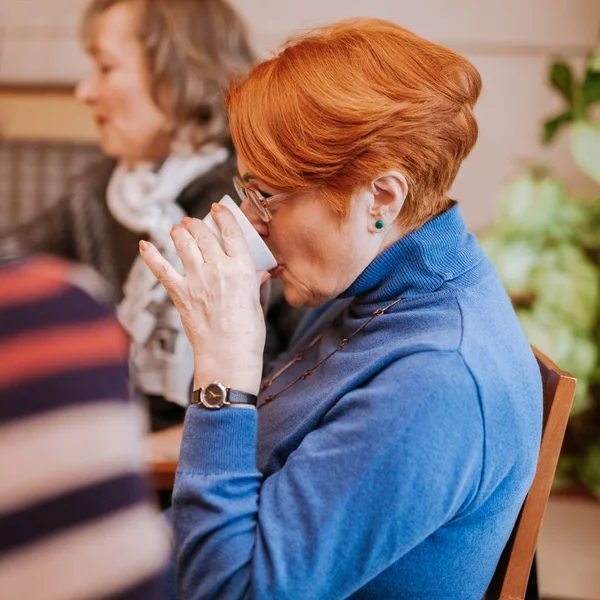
(292,298)
(299,298)
(109,150)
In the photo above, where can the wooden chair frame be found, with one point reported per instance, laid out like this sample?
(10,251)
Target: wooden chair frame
(512,573)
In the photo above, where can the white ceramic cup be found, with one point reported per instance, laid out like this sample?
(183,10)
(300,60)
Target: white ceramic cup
(261,256)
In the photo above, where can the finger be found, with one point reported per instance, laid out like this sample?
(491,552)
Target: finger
(234,242)
(205,239)
(189,252)
(161,268)
(262,277)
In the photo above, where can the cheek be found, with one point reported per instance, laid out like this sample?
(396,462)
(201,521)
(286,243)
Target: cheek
(312,274)
(137,110)
(133,119)
(318,254)
(299,246)
(115,95)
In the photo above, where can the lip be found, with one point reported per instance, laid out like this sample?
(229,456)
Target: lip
(277,271)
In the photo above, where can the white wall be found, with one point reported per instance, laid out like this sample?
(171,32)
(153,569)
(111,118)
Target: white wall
(511,42)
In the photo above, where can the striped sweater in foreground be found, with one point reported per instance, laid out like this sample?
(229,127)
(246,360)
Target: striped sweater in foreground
(76,520)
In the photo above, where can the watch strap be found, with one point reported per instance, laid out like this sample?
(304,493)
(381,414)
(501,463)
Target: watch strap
(196,397)
(237,397)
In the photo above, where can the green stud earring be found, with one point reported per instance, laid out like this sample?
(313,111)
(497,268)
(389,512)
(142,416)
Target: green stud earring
(379,224)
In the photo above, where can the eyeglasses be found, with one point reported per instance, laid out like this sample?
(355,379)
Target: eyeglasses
(258,201)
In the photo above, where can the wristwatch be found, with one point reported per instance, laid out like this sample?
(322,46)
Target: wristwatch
(216,395)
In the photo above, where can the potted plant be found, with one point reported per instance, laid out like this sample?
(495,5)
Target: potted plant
(546,247)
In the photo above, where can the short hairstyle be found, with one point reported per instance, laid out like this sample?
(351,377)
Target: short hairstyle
(194,49)
(347,102)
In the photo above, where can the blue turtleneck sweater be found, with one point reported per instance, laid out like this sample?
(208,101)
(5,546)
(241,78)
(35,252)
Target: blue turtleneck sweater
(397,470)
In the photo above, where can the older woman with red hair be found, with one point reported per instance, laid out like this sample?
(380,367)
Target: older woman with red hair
(388,453)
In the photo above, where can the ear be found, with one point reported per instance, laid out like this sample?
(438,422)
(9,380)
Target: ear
(389,192)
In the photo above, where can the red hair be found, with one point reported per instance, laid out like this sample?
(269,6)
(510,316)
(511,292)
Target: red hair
(350,101)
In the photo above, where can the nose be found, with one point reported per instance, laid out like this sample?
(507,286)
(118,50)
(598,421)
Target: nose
(86,90)
(248,209)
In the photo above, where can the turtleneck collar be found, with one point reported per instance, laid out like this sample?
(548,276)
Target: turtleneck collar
(420,262)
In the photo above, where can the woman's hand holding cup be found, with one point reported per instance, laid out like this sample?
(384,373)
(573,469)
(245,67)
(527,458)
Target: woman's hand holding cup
(218,299)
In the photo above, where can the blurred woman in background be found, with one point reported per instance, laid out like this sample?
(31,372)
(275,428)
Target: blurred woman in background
(156,91)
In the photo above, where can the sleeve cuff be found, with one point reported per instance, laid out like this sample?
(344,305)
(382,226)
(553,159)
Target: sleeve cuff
(219,441)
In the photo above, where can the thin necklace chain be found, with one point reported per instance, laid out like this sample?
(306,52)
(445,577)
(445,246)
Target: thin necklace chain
(300,355)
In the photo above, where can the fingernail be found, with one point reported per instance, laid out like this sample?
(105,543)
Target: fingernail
(143,245)
(216,207)
(186,220)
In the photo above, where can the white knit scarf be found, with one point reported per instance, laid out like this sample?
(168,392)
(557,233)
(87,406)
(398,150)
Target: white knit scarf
(144,201)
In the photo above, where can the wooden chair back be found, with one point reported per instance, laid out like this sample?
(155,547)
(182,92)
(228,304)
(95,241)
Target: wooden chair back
(512,573)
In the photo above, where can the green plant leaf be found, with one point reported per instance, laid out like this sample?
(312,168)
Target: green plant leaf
(571,225)
(564,474)
(585,143)
(566,284)
(589,469)
(582,401)
(590,226)
(553,125)
(530,207)
(573,351)
(514,261)
(561,79)
(590,89)
(593,63)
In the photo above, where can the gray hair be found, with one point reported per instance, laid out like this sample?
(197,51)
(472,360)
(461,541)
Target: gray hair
(194,48)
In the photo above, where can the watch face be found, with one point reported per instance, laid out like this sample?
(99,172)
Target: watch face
(213,396)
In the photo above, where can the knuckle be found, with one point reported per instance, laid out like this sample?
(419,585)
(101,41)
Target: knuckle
(184,244)
(232,233)
(200,235)
(198,230)
(162,272)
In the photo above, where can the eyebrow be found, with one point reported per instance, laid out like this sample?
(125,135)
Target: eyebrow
(248,177)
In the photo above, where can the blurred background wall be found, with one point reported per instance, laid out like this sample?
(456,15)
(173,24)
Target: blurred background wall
(511,42)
